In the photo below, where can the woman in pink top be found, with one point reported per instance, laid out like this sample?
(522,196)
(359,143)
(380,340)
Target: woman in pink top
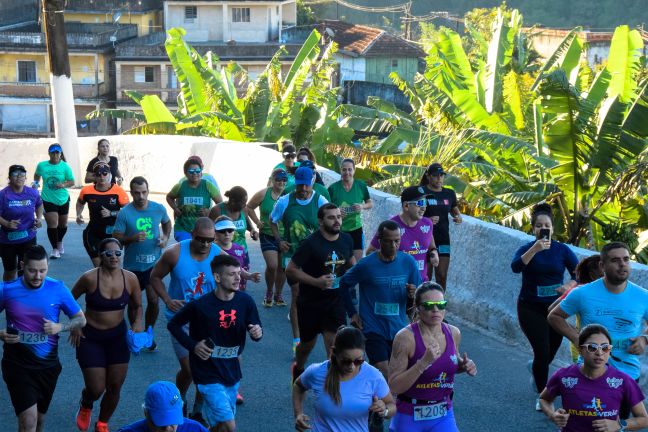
(424,361)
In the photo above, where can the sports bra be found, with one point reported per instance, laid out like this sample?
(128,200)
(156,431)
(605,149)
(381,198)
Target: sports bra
(98,303)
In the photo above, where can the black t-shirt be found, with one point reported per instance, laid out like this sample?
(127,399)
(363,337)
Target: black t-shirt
(114,166)
(225,322)
(317,256)
(439,204)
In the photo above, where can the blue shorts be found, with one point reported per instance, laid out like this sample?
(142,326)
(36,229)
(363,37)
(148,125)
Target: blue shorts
(378,348)
(403,422)
(181,235)
(268,243)
(219,402)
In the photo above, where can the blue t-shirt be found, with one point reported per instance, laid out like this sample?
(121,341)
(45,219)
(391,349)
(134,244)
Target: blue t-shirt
(141,256)
(545,272)
(187,426)
(356,397)
(25,309)
(622,314)
(383,292)
(22,207)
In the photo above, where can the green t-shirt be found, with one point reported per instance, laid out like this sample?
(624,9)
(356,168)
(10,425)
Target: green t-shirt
(321,189)
(190,201)
(265,209)
(299,221)
(291,177)
(358,194)
(51,175)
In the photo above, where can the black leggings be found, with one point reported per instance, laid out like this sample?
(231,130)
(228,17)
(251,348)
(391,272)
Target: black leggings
(544,340)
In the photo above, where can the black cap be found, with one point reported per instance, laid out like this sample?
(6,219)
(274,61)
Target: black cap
(413,193)
(14,168)
(435,169)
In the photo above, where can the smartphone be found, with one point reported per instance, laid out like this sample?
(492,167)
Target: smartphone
(12,330)
(210,343)
(545,233)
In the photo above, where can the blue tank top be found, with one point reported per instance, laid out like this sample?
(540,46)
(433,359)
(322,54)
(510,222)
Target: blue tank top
(191,279)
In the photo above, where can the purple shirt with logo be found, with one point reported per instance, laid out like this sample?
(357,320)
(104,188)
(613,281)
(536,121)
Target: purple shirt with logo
(587,400)
(19,206)
(415,241)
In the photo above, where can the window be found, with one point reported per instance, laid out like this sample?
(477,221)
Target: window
(172,80)
(394,63)
(144,74)
(26,71)
(240,14)
(191,13)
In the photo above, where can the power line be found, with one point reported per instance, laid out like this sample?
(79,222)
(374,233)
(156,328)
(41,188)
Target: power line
(396,8)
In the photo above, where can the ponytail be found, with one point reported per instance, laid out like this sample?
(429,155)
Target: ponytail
(332,381)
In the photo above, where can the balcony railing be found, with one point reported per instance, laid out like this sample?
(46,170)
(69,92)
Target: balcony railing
(78,35)
(42,90)
(165,94)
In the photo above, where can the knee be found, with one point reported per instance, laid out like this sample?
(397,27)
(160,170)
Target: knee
(28,420)
(94,393)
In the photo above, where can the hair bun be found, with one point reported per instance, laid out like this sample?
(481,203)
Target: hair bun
(542,208)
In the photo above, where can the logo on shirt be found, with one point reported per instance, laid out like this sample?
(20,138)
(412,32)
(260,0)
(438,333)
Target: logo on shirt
(593,409)
(614,382)
(197,290)
(425,229)
(595,404)
(20,203)
(446,202)
(333,261)
(227,320)
(570,382)
(145,224)
(453,358)
(238,252)
(112,201)
(438,382)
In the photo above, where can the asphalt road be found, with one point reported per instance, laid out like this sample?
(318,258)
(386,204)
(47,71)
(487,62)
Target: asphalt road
(498,399)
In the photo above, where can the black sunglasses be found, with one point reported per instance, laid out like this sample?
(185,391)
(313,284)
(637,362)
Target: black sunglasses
(348,362)
(204,239)
(225,231)
(103,173)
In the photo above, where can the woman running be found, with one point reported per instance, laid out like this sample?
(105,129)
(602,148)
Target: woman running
(101,348)
(593,393)
(289,154)
(305,154)
(425,358)
(191,199)
(225,230)
(57,177)
(542,263)
(103,155)
(346,388)
(265,200)
(104,200)
(21,210)
(440,202)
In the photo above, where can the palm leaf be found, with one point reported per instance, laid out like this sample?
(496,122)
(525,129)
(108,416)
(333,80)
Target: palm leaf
(563,47)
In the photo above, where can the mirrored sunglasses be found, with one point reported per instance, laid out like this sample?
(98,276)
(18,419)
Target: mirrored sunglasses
(430,305)
(592,347)
(18,174)
(419,203)
(111,253)
(290,155)
(194,171)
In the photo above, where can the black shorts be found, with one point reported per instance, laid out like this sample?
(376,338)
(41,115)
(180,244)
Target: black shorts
(102,348)
(315,317)
(268,243)
(358,238)
(143,277)
(62,210)
(30,386)
(12,253)
(91,241)
(378,348)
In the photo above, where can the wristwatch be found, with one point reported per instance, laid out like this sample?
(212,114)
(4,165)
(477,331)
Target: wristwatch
(623,424)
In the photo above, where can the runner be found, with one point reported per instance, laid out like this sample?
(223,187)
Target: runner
(317,186)
(416,230)
(266,199)
(305,154)
(348,392)
(593,392)
(188,264)
(318,264)
(21,210)
(387,281)
(30,364)
(191,199)
(57,177)
(163,412)
(289,154)
(352,196)
(210,178)
(542,263)
(101,348)
(423,365)
(225,230)
(440,202)
(138,229)
(218,324)
(297,212)
(103,155)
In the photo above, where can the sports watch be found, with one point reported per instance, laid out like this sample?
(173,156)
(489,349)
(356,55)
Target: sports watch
(623,424)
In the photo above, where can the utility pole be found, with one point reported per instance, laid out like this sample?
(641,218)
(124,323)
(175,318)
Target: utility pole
(61,84)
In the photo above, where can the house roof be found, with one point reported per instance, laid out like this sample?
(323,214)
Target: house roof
(364,41)
(586,35)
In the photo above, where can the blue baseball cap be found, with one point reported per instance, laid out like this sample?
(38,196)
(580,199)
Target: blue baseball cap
(54,148)
(163,404)
(304,176)
(307,164)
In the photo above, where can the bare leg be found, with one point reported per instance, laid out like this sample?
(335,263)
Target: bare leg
(40,427)
(228,426)
(152,307)
(329,337)
(95,385)
(28,419)
(294,292)
(183,377)
(115,376)
(441,271)
(272,263)
(302,351)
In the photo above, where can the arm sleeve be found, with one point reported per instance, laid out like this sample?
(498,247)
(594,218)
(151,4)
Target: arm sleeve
(69,175)
(553,385)
(82,195)
(39,171)
(69,306)
(307,378)
(380,387)
(350,279)
(321,201)
(571,304)
(632,392)
(114,163)
(517,265)
(164,216)
(122,197)
(182,317)
(39,200)
(212,189)
(415,274)
(279,209)
(175,189)
(89,167)
(453,199)
(571,261)
(252,316)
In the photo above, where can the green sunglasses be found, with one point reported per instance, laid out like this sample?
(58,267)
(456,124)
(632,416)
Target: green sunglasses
(429,305)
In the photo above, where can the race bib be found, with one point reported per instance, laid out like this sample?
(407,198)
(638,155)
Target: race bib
(421,264)
(32,338)
(225,352)
(110,229)
(193,200)
(547,290)
(430,412)
(386,309)
(17,235)
(145,259)
(621,344)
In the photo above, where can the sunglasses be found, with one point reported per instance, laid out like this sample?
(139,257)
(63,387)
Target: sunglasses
(194,171)
(290,155)
(204,239)
(281,179)
(592,347)
(18,174)
(103,173)
(419,203)
(430,305)
(356,362)
(111,253)
(225,231)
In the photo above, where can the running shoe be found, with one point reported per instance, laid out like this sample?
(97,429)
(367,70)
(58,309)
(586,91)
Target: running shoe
(267,302)
(83,417)
(239,399)
(279,301)
(537,406)
(60,247)
(152,348)
(56,254)
(294,372)
(101,427)
(531,379)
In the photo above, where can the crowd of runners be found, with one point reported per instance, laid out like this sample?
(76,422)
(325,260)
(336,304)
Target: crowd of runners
(380,307)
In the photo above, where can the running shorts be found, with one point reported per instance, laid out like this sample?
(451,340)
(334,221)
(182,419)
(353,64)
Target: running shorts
(378,348)
(102,348)
(29,387)
(62,210)
(12,253)
(268,243)
(358,238)
(318,317)
(219,402)
(143,277)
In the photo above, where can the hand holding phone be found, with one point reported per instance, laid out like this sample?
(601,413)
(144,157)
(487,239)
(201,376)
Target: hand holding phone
(545,233)
(210,343)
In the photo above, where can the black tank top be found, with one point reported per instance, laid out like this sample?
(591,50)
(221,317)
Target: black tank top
(96,302)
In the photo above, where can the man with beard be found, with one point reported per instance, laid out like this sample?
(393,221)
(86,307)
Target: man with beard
(30,363)
(614,302)
(138,229)
(317,265)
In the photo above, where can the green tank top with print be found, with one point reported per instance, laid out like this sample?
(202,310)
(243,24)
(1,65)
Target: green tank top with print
(300,221)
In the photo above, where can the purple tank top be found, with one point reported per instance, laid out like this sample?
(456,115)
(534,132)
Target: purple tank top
(437,382)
